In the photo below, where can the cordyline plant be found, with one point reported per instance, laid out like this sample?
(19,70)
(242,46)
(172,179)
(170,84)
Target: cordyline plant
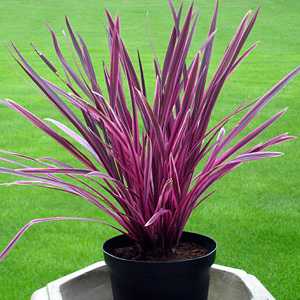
(149,170)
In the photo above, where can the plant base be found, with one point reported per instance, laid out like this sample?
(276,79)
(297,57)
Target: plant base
(160,280)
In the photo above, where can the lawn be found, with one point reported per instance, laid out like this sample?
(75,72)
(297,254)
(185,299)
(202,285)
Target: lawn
(254,216)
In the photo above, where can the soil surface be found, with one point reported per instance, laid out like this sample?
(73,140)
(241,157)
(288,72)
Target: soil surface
(184,250)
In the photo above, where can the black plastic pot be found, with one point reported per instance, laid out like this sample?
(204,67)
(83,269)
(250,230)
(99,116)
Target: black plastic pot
(171,280)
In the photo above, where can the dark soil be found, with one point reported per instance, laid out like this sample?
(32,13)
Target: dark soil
(185,250)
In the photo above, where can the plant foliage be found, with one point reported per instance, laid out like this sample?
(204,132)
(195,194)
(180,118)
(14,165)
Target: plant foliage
(147,169)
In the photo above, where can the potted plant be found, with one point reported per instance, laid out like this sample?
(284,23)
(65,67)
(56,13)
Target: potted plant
(147,168)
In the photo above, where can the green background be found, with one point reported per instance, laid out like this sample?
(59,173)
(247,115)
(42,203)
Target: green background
(254,216)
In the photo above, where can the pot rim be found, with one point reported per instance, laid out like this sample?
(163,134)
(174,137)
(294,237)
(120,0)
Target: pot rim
(198,258)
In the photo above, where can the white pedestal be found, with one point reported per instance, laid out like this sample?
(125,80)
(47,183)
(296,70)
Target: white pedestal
(93,283)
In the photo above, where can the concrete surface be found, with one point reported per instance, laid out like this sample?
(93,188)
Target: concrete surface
(93,283)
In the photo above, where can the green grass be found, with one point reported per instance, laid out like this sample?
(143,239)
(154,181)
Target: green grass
(254,216)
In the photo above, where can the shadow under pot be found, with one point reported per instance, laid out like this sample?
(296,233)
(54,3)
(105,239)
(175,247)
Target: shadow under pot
(133,279)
